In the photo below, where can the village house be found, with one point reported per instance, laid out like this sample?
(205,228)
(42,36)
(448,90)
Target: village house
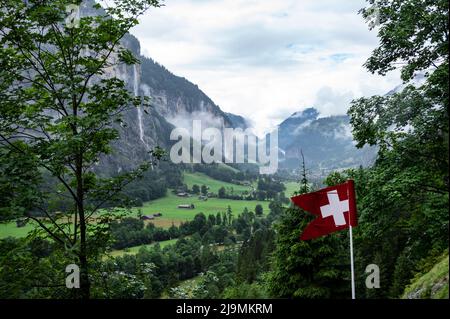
(187,206)
(151,217)
(182,194)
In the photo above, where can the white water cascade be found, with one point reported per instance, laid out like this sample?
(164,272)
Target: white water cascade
(139,109)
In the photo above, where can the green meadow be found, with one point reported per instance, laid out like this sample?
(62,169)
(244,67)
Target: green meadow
(11,230)
(213,184)
(291,187)
(134,250)
(168,205)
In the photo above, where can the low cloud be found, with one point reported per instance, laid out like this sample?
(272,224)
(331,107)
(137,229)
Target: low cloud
(344,132)
(184,120)
(332,102)
(262,59)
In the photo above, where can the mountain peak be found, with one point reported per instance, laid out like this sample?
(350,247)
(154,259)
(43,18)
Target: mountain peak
(297,118)
(309,113)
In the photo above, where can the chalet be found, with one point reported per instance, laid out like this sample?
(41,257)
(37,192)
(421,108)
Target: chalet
(187,206)
(182,194)
(151,217)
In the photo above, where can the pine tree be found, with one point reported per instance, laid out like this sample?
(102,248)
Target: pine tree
(317,268)
(229,215)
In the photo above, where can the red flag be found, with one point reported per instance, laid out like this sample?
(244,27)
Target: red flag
(335,208)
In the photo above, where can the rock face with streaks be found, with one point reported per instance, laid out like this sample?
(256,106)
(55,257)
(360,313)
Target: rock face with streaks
(325,141)
(174,102)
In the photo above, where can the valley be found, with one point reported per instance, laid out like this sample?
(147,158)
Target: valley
(98,174)
(168,205)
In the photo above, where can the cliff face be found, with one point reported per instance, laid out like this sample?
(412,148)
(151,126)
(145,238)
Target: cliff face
(174,101)
(141,130)
(326,142)
(238,121)
(173,95)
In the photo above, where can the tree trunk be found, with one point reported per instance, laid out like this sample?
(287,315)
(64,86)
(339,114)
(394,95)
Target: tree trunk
(85,284)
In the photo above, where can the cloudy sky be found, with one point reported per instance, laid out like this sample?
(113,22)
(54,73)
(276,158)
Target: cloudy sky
(266,59)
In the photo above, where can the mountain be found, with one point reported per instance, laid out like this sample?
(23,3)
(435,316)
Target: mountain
(175,97)
(237,121)
(326,143)
(174,102)
(293,124)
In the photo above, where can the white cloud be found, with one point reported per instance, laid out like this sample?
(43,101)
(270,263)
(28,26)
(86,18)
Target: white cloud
(330,102)
(264,59)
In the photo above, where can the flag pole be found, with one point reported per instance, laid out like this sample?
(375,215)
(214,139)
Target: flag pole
(352,269)
(351,262)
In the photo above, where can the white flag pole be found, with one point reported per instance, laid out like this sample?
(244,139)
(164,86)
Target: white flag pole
(351,262)
(352,269)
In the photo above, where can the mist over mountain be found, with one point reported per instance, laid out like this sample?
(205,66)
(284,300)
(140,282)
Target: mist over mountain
(238,121)
(326,142)
(174,101)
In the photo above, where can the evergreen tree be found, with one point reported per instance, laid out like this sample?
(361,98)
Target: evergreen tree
(218,219)
(317,268)
(254,255)
(195,189)
(229,215)
(222,192)
(258,210)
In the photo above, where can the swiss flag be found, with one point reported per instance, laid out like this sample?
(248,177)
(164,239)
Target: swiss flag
(335,208)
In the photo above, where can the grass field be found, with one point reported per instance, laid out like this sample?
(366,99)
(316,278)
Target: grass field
(291,187)
(431,285)
(168,207)
(223,165)
(134,250)
(11,230)
(214,185)
(170,213)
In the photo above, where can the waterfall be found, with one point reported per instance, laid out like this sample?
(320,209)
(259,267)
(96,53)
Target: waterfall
(139,109)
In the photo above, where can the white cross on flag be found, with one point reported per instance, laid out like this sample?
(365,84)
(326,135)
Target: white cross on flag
(335,208)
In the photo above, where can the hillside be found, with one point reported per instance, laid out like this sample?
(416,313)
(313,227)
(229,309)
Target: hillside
(174,101)
(202,179)
(167,205)
(431,285)
(326,143)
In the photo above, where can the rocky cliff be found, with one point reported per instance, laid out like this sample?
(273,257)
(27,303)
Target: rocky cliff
(174,102)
